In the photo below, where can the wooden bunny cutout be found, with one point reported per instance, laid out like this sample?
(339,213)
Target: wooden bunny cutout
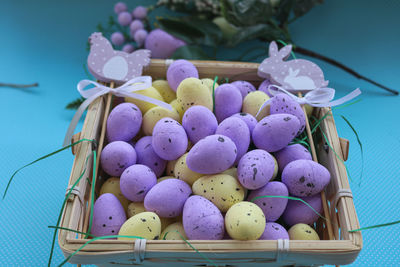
(292,75)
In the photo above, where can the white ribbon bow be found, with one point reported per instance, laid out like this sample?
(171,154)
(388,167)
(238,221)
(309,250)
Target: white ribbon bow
(320,97)
(125,90)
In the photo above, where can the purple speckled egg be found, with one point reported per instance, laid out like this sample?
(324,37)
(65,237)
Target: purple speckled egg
(199,122)
(238,132)
(169,139)
(116,157)
(202,220)
(273,208)
(249,119)
(274,132)
(255,169)
(228,101)
(124,122)
(108,215)
(305,178)
(213,154)
(167,198)
(298,212)
(162,44)
(178,71)
(263,87)
(284,104)
(136,181)
(244,87)
(291,153)
(274,231)
(147,156)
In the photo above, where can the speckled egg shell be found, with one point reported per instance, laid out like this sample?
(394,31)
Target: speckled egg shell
(108,215)
(275,132)
(144,106)
(192,92)
(202,220)
(124,122)
(255,169)
(145,224)
(273,208)
(167,197)
(111,185)
(305,178)
(153,115)
(291,153)
(116,157)
(135,208)
(282,103)
(244,87)
(263,87)
(170,168)
(136,181)
(199,122)
(165,91)
(248,119)
(298,212)
(169,139)
(147,156)
(252,103)
(228,101)
(213,154)
(274,231)
(171,232)
(209,83)
(178,71)
(182,171)
(238,132)
(302,231)
(178,107)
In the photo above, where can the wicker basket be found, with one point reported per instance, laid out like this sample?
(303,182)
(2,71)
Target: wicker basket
(337,245)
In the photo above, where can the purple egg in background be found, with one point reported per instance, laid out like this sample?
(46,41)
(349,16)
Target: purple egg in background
(244,87)
(140,12)
(274,231)
(120,7)
(228,101)
(116,157)
(136,181)
(178,71)
(117,38)
(124,18)
(264,87)
(140,36)
(298,212)
(135,25)
(124,122)
(249,119)
(291,153)
(199,122)
(162,44)
(147,156)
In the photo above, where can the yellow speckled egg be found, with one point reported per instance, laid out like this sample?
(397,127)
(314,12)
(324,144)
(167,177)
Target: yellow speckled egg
(191,92)
(209,83)
(170,232)
(165,178)
(170,168)
(183,172)
(252,103)
(143,105)
(112,186)
(167,221)
(232,172)
(145,224)
(135,208)
(221,189)
(245,221)
(174,103)
(309,110)
(153,115)
(275,169)
(165,91)
(302,231)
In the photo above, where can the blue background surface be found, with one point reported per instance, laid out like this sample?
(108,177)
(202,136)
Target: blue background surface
(45,41)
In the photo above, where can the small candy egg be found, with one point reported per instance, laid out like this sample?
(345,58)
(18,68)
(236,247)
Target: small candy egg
(143,105)
(244,87)
(209,83)
(232,172)
(169,139)
(252,103)
(108,215)
(263,87)
(305,178)
(275,132)
(180,70)
(213,154)
(147,156)
(273,208)
(145,224)
(165,91)
(255,169)
(135,208)
(136,181)
(228,101)
(245,221)
(165,222)
(167,197)
(183,172)
(298,212)
(291,153)
(165,178)
(274,231)
(302,231)
(116,157)
(192,92)
(178,107)
(199,122)
(248,119)
(171,232)
(153,115)
(202,220)
(170,168)
(124,122)
(111,185)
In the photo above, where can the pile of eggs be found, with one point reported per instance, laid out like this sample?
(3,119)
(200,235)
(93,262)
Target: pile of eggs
(197,174)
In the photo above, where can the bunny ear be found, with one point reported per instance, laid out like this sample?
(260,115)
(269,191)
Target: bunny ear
(273,49)
(284,53)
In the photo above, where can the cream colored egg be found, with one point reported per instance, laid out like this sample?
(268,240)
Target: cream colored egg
(192,92)
(232,172)
(112,186)
(245,221)
(170,168)
(153,115)
(209,83)
(275,169)
(165,222)
(165,178)
(174,103)
(135,208)
(143,105)
(302,231)
(171,232)
(165,91)
(221,189)
(252,103)
(183,172)
(145,224)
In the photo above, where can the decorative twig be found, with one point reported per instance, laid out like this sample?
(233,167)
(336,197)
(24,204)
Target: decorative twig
(12,85)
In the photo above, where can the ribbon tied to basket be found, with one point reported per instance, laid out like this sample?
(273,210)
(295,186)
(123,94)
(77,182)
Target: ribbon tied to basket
(125,90)
(320,97)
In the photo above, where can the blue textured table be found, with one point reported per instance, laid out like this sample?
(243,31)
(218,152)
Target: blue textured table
(45,41)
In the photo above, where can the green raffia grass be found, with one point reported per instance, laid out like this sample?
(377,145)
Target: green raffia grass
(375,226)
(285,44)
(213,92)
